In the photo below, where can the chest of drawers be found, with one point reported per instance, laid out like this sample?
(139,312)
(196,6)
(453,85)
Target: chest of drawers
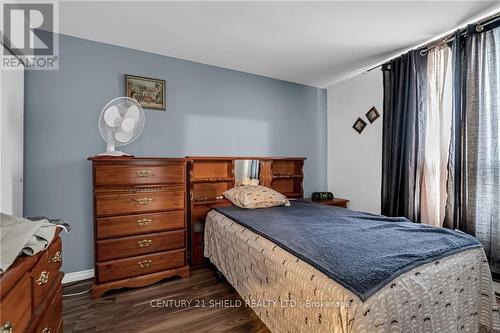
(139,221)
(31,294)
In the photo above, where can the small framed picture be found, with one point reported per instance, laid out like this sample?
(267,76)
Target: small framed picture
(359,125)
(372,115)
(149,93)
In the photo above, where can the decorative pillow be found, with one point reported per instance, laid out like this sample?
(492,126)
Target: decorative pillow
(255,196)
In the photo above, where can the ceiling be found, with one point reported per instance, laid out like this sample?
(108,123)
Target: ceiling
(313,43)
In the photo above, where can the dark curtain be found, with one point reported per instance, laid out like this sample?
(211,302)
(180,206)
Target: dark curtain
(454,204)
(473,204)
(402,118)
(473,184)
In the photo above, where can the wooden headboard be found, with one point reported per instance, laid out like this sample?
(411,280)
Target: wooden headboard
(209,177)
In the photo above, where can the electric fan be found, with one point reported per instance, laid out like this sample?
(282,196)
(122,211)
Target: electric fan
(121,121)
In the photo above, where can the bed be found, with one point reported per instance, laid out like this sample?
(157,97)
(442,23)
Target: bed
(451,294)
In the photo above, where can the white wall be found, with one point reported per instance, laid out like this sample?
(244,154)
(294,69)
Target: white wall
(11,140)
(354,160)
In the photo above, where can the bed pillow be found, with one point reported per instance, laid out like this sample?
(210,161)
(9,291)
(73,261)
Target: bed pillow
(255,196)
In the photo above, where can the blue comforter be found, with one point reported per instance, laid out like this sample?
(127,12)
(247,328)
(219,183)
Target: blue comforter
(361,251)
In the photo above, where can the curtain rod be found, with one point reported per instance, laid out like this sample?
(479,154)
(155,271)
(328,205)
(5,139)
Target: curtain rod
(463,32)
(449,37)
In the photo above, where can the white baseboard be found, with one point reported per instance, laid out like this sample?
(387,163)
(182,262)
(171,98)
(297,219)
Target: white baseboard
(78,276)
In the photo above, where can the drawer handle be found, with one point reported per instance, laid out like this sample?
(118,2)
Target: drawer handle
(144,173)
(55,258)
(144,222)
(46,330)
(43,278)
(7,327)
(144,201)
(145,242)
(145,263)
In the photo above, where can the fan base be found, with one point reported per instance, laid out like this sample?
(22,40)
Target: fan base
(113,153)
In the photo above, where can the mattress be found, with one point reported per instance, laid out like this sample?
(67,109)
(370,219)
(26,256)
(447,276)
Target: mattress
(289,295)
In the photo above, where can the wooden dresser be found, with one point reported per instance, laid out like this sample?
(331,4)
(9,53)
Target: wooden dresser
(31,294)
(209,177)
(139,221)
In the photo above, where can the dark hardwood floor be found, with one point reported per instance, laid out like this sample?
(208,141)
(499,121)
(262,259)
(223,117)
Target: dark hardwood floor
(132,310)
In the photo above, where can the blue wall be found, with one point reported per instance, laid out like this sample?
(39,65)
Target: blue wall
(210,111)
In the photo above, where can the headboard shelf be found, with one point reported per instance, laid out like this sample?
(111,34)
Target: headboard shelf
(233,158)
(212,180)
(211,176)
(285,176)
(210,201)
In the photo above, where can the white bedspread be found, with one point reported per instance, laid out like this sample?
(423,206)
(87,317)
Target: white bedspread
(453,294)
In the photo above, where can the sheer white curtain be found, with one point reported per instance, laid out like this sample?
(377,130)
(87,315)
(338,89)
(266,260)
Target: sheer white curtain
(436,136)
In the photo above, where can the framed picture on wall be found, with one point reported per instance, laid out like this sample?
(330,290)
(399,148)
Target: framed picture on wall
(149,93)
(372,114)
(359,125)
